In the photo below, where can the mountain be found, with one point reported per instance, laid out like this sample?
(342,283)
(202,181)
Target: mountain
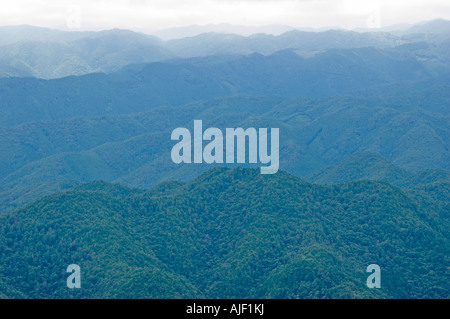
(108,247)
(24,33)
(134,149)
(194,30)
(435,29)
(305,42)
(359,166)
(27,51)
(104,51)
(71,129)
(141,87)
(283,237)
(431,27)
(369,166)
(86,175)
(16,197)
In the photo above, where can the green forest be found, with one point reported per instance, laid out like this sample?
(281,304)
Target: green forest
(87,177)
(230,233)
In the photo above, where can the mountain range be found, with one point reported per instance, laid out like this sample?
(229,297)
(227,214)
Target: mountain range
(135,148)
(86,175)
(230,233)
(28,51)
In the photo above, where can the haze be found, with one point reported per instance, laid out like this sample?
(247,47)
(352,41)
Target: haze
(153,15)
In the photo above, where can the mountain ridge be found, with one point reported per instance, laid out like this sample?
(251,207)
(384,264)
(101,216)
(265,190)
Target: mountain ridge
(45,53)
(295,230)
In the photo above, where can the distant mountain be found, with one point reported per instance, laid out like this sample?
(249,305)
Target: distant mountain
(27,51)
(24,33)
(389,28)
(431,28)
(194,30)
(335,103)
(104,51)
(284,237)
(135,149)
(141,87)
(359,166)
(369,166)
(425,177)
(435,31)
(364,116)
(10,199)
(217,43)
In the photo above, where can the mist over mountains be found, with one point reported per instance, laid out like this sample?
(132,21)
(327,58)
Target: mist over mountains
(86,174)
(45,53)
(140,87)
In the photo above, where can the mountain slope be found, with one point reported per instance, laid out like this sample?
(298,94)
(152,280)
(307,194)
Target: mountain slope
(105,51)
(88,227)
(371,166)
(228,234)
(208,44)
(44,53)
(142,87)
(359,166)
(135,149)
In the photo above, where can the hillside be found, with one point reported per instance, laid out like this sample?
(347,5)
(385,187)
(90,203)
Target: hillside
(28,51)
(134,149)
(87,176)
(369,166)
(141,87)
(231,233)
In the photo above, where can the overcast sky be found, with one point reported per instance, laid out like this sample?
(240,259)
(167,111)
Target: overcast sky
(151,15)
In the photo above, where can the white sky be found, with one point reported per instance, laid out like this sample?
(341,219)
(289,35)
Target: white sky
(151,15)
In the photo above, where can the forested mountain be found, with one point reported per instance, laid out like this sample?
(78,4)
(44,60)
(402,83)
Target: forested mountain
(86,175)
(135,149)
(43,53)
(28,51)
(209,44)
(228,234)
(138,88)
(369,166)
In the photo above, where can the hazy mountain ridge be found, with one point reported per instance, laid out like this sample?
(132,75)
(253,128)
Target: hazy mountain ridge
(135,149)
(73,128)
(105,51)
(45,53)
(141,87)
(363,116)
(369,166)
(300,120)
